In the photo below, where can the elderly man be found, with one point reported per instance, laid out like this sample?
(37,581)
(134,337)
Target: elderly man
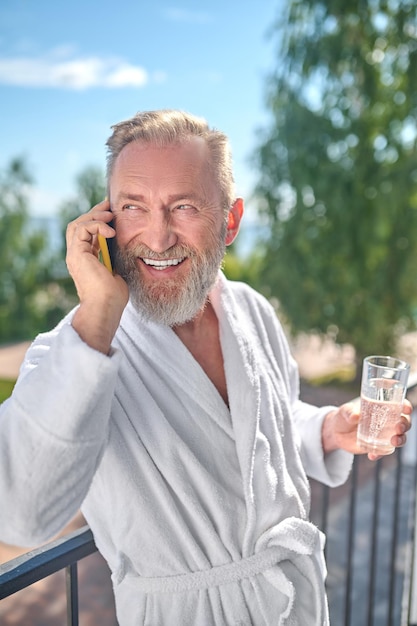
(166,404)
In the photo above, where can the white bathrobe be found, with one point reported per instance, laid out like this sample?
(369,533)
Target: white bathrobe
(200,510)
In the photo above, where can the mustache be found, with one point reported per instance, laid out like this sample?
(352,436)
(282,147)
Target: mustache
(142,251)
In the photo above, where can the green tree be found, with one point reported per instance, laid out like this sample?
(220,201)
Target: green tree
(242,269)
(27,292)
(338,170)
(90,190)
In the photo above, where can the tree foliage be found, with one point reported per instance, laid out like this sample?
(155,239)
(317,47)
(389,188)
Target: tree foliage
(338,170)
(35,289)
(26,293)
(90,190)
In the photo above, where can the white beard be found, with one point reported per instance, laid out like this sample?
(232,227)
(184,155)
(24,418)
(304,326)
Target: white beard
(175,301)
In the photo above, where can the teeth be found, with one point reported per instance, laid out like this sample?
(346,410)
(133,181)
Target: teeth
(163,263)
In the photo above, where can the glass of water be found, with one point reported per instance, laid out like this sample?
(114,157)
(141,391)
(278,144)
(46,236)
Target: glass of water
(383,389)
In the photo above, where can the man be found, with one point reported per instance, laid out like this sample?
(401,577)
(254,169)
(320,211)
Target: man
(173,419)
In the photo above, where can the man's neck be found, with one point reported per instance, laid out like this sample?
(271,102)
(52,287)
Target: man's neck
(201,337)
(195,328)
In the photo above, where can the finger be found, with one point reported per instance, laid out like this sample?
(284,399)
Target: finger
(350,412)
(100,211)
(403,425)
(103,205)
(407,407)
(398,441)
(406,417)
(87,232)
(85,235)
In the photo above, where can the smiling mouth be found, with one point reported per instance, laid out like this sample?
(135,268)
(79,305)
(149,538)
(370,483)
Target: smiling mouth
(162,264)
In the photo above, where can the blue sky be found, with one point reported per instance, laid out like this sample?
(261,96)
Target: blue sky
(68,70)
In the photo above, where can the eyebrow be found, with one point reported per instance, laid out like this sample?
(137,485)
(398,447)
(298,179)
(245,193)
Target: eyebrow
(129,196)
(192,196)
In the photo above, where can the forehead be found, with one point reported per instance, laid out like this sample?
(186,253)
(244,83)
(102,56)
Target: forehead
(150,162)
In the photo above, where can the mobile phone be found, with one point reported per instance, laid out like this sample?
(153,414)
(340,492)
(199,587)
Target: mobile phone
(107,250)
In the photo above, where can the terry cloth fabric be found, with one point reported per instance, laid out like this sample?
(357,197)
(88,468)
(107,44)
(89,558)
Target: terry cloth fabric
(200,510)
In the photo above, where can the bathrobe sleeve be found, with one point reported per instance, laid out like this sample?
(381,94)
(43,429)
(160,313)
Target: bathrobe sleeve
(331,469)
(52,432)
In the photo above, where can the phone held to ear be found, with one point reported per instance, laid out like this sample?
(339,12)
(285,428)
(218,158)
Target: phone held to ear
(106,251)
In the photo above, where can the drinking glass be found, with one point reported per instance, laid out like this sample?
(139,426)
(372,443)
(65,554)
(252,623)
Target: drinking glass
(383,389)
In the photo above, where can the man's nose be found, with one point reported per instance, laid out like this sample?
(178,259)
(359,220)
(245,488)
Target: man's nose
(159,234)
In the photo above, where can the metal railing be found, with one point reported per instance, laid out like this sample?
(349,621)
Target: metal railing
(37,564)
(369,525)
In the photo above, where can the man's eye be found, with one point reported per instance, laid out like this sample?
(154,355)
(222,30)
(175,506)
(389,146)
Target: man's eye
(185,207)
(130,207)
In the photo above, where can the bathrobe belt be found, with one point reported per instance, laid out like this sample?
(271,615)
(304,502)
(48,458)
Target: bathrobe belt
(292,540)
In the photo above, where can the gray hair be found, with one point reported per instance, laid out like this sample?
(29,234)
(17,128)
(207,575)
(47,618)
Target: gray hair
(165,127)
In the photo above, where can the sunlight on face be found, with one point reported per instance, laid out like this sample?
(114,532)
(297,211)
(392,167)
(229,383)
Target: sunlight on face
(177,300)
(171,228)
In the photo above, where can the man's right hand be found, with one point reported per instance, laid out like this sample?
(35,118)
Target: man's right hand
(103,296)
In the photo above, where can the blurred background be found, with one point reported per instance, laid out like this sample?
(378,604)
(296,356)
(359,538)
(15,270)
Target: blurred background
(319,101)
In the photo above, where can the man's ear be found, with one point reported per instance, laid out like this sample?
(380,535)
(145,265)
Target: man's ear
(233,220)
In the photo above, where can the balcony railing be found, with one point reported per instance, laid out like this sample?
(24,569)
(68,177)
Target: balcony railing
(370,525)
(38,564)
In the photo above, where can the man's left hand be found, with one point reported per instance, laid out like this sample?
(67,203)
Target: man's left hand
(340,427)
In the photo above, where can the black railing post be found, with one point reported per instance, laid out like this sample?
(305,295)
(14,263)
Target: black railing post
(351,542)
(374,543)
(409,606)
(395,535)
(71,576)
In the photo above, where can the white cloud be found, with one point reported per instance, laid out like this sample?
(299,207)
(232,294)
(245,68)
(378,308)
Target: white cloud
(71,73)
(126,75)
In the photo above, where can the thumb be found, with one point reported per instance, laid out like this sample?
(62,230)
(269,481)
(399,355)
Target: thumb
(350,411)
